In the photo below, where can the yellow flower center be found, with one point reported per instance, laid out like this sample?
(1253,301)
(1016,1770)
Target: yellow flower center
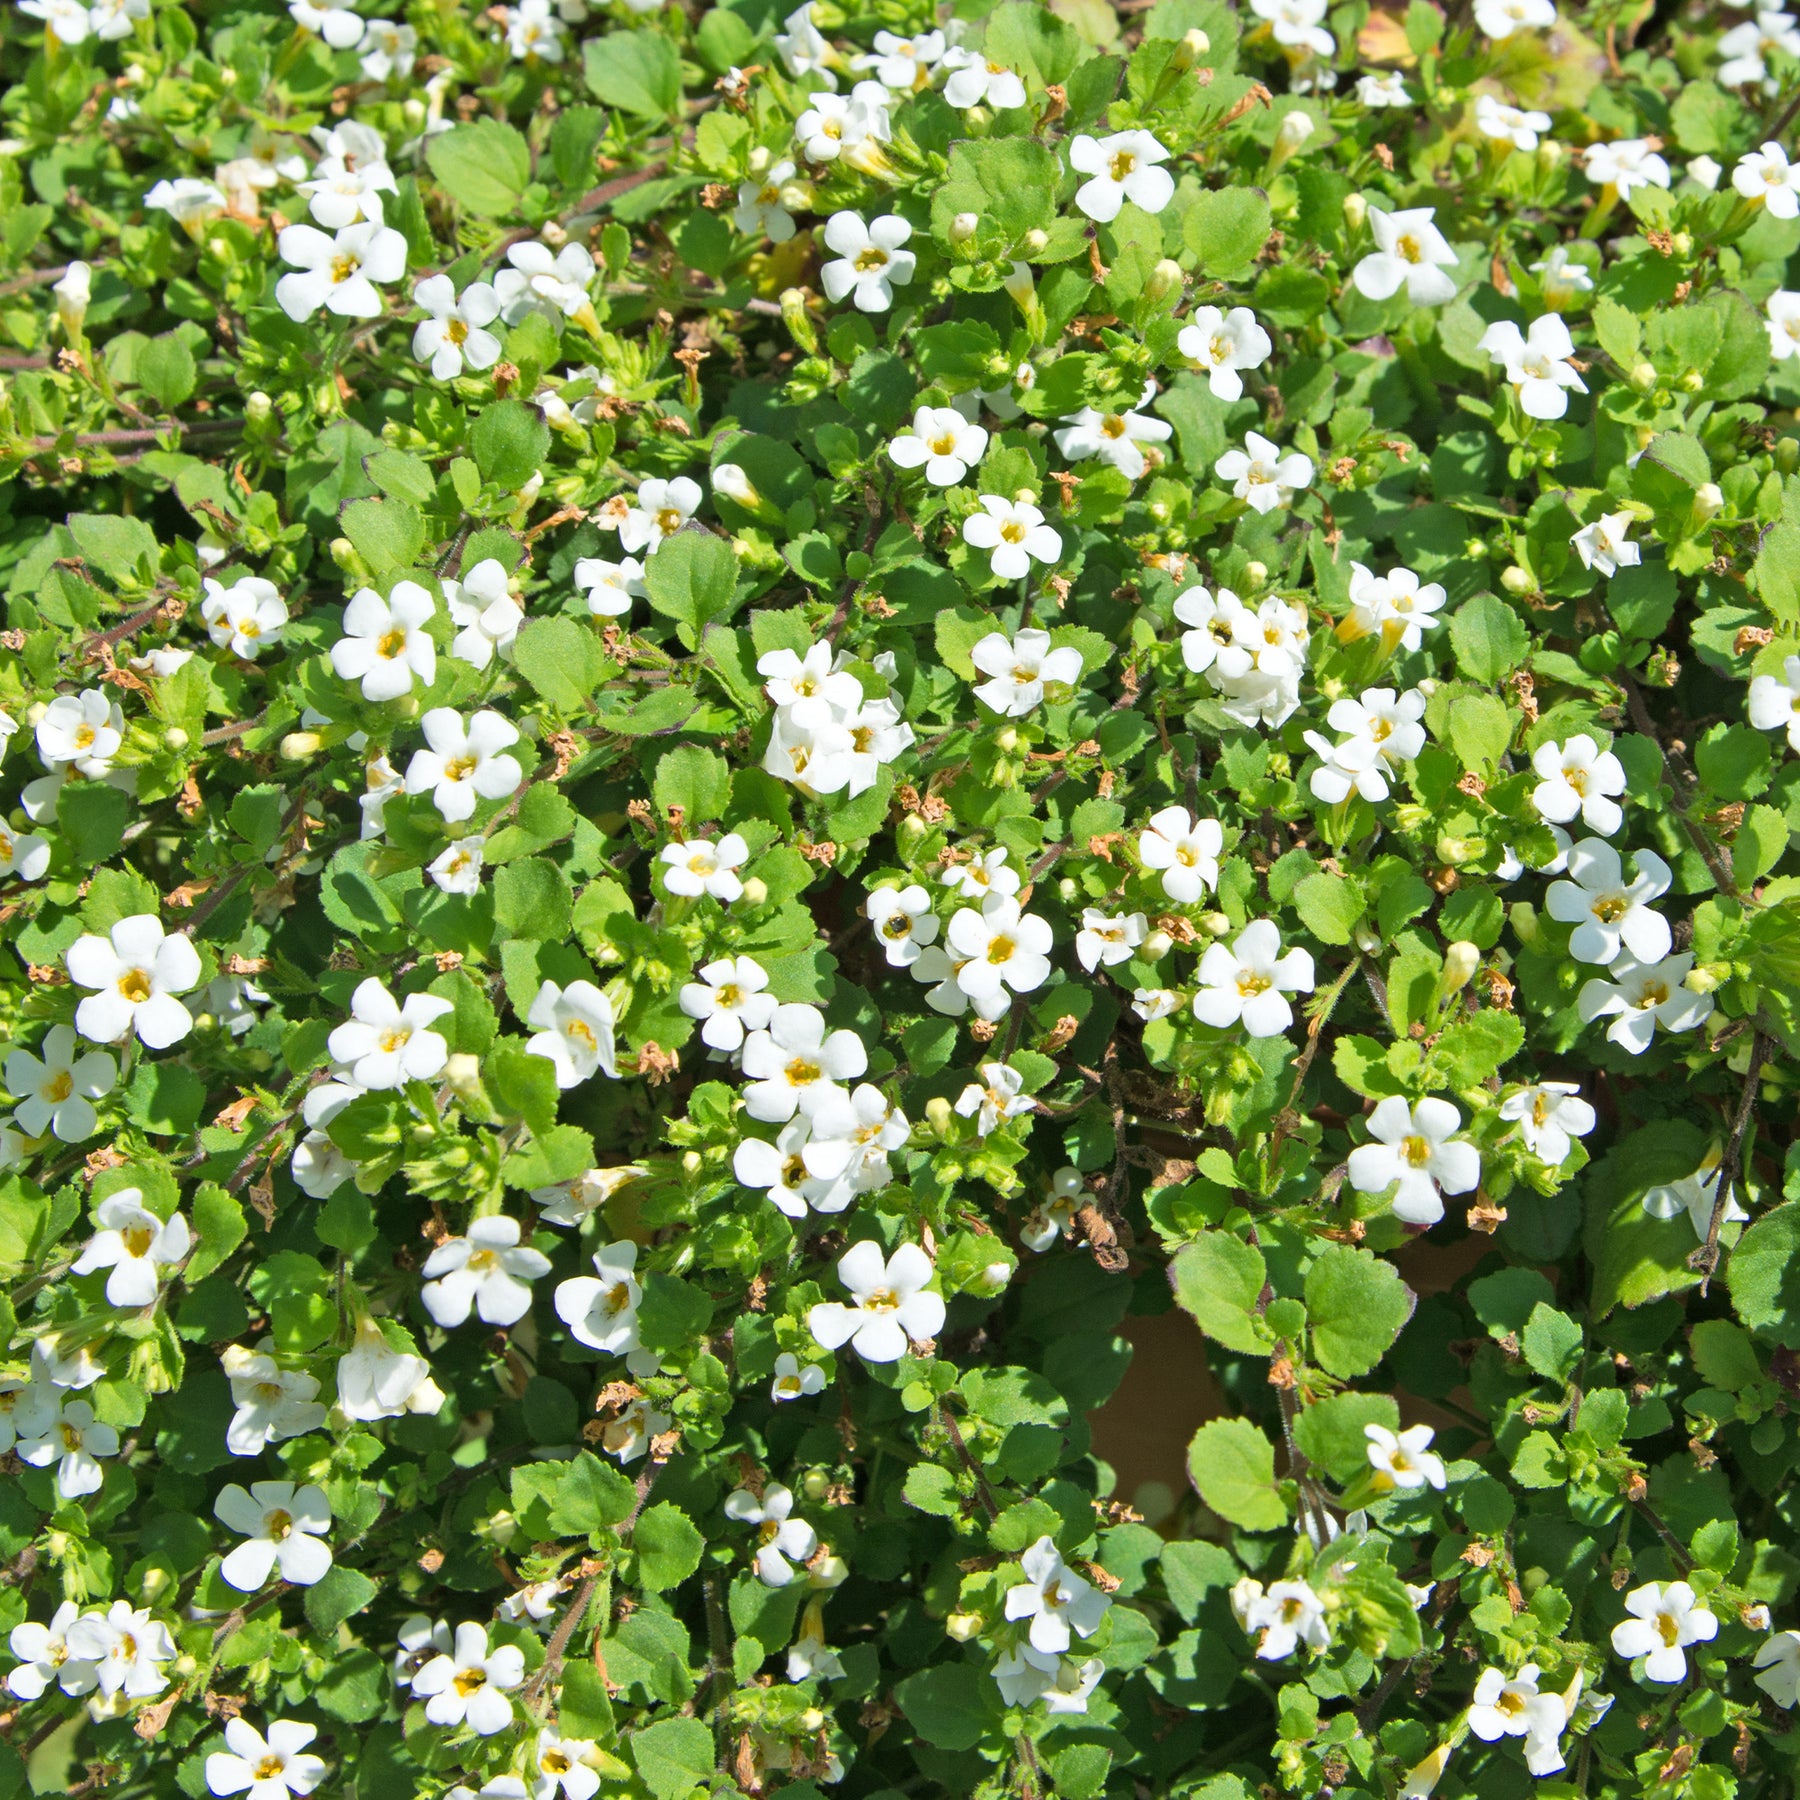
(1122,165)
(872,258)
(1416,1150)
(391,644)
(135,985)
(801,1073)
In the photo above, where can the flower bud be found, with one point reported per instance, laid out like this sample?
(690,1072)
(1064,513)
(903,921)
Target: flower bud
(175,738)
(964,226)
(297,746)
(1037,240)
(815,1484)
(1708,978)
(1515,580)
(1692,381)
(1704,172)
(1068,890)
(72,295)
(1215,924)
(462,1074)
(812,1720)
(1356,211)
(940,1116)
(1709,500)
(1787,455)
(1195,42)
(731,481)
(794,317)
(1461,960)
(756,891)
(1020,285)
(258,407)
(1522,917)
(1256,575)
(1549,155)
(692,1162)
(1007,740)
(1643,377)
(995,1277)
(963,1626)
(1165,279)
(1293,131)
(1156,946)
(1368,940)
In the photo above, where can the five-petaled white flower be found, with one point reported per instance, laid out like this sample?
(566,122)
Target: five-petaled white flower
(1603,544)
(1382,732)
(1612,916)
(779,1535)
(1262,475)
(1018,670)
(542,280)
(1185,851)
(998,949)
(1509,125)
(600,1310)
(482,605)
(1397,604)
(1502,1707)
(488,1270)
(1579,778)
(1417,1148)
(1499,19)
(385,1042)
(794,1064)
(1116,439)
(1105,940)
(1775,702)
(942,443)
(385,645)
(793,1380)
(45,1657)
(904,922)
(699,866)
(1288,1615)
(610,587)
(272,1403)
(1124,166)
(468,1685)
(136,971)
(1014,532)
(1410,252)
(998,1096)
(975,81)
(1625,164)
(1549,1114)
(244,617)
(72,1439)
(870,259)
(135,1244)
(761,210)
(1223,344)
(463,762)
(455,332)
(1404,1459)
(1640,996)
(56,1089)
(339,272)
(1249,983)
(85,729)
(730,999)
(891,1303)
(573,1028)
(281,1525)
(1060,1604)
(662,508)
(1539,363)
(265,1768)
(1664,1621)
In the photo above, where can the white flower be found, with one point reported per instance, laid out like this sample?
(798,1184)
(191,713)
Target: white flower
(760,210)
(1396,604)
(27,1408)
(377,1381)
(23,855)
(1611,916)
(1059,1603)
(600,1310)
(191,203)
(870,259)
(334,20)
(1778,1659)
(904,922)
(1404,1459)
(1696,1195)
(65,20)
(1151,1004)
(1664,1621)
(1508,124)
(72,1440)
(1579,778)
(1288,1615)
(1222,343)
(610,587)
(997,1097)
(244,617)
(134,1243)
(1262,475)
(1248,983)
(1537,364)
(791,1382)
(661,509)
(1413,1146)
(1025,1676)
(629,1433)
(1625,164)
(489,1270)
(1643,996)
(997,949)
(1514,1708)
(1015,532)
(391,50)
(85,729)
(1549,1114)
(807,688)
(136,971)
(464,762)
(974,81)
(1410,252)
(574,1202)
(1775,702)
(385,644)
(1768,176)
(1113,438)
(1783,324)
(382,781)
(385,1042)
(779,1535)
(1056,1217)
(56,1088)
(903,64)
(532,29)
(1562,277)
(1383,732)
(339,272)
(794,1064)
(127,1648)
(561,1767)
(268,1768)
(1603,545)
(984,873)
(482,605)
(281,1525)
(536,1602)
(468,1685)
(730,999)
(1184,850)
(1499,19)
(1296,24)
(349,179)
(782,1169)
(942,442)
(831,124)
(699,867)
(541,280)
(1387,89)
(1745,47)
(454,333)
(574,1030)
(890,1303)
(803,49)
(1121,167)
(1019,670)
(272,1403)
(1107,941)
(44,1657)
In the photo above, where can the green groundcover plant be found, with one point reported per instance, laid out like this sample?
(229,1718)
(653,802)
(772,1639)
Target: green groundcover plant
(724,729)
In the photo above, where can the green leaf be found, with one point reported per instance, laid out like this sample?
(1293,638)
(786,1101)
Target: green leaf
(388,534)
(951,1705)
(1356,1305)
(1233,1468)
(1734,761)
(1763,1274)
(1481,727)
(1226,228)
(563,661)
(164,1098)
(1488,637)
(1329,906)
(636,71)
(339,1594)
(1759,845)
(483,167)
(668,1546)
(590,1495)
(1219,1280)
(1034,42)
(692,578)
(509,441)
(1551,1342)
(1330,1432)
(673,1312)
(1473,1047)
(532,899)
(166,370)
(93,817)
(674,1756)
(1009,183)
(219,1226)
